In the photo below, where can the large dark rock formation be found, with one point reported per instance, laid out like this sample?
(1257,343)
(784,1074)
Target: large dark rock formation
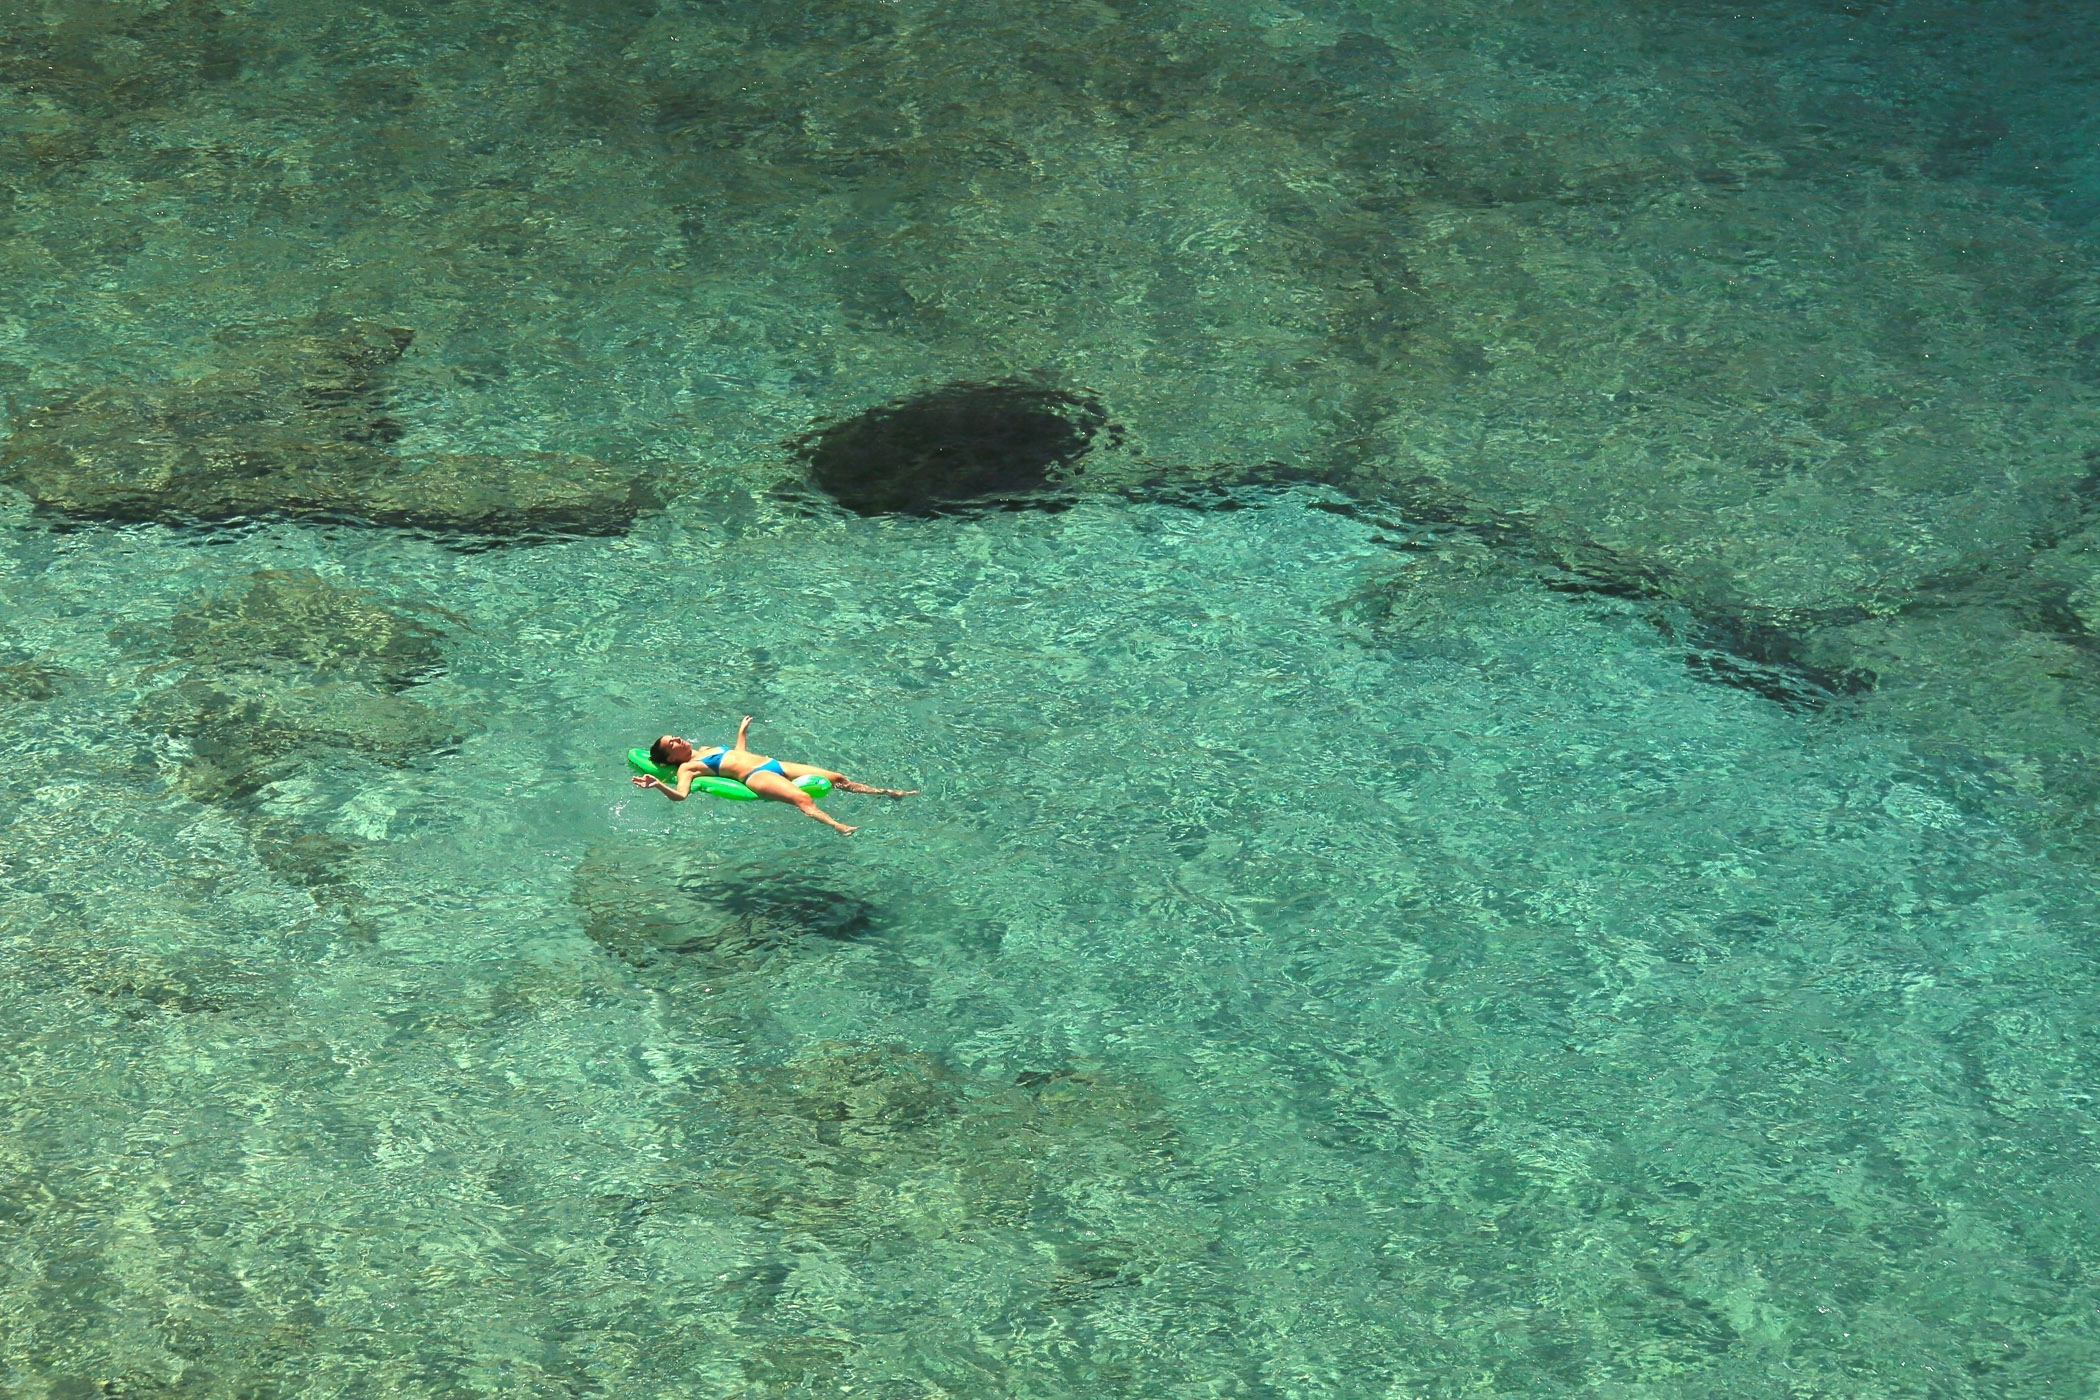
(958,448)
(297,423)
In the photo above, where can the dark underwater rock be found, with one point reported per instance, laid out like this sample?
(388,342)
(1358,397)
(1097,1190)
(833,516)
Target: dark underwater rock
(885,1116)
(28,680)
(1480,552)
(297,425)
(645,905)
(294,669)
(107,61)
(1762,658)
(898,1165)
(957,448)
(317,861)
(1358,59)
(245,730)
(134,981)
(296,615)
(520,494)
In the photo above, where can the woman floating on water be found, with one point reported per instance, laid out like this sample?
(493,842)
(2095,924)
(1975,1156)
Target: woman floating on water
(768,777)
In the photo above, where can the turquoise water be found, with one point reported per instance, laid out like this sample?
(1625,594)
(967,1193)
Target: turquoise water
(1244,1008)
(1524,830)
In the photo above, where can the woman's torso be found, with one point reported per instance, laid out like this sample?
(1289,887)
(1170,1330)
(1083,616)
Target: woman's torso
(736,764)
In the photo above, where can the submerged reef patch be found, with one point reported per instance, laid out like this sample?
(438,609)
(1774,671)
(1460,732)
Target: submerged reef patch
(293,671)
(1476,553)
(1993,672)
(954,449)
(858,1174)
(112,64)
(244,730)
(297,616)
(838,1112)
(28,680)
(298,422)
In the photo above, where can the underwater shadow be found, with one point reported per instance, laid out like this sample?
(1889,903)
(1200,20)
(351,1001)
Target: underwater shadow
(663,909)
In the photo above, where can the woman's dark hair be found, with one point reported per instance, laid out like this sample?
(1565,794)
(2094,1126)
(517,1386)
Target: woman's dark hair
(660,752)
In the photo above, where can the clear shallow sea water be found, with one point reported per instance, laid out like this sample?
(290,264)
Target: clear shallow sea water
(1244,1009)
(1342,949)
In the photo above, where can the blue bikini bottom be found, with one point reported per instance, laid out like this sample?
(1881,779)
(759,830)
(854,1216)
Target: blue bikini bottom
(714,761)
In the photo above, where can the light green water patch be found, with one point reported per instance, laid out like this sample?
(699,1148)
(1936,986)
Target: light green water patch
(1310,970)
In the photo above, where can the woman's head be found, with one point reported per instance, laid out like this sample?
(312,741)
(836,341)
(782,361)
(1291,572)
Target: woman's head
(670,751)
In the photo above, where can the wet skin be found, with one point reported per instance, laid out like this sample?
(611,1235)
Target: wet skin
(741,764)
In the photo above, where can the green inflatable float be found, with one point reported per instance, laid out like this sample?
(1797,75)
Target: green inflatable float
(730,788)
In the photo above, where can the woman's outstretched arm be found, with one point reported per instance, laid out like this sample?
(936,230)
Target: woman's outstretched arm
(686,773)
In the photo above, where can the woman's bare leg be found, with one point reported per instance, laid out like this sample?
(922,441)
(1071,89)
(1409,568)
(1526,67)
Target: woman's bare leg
(840,780)
(779,789)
